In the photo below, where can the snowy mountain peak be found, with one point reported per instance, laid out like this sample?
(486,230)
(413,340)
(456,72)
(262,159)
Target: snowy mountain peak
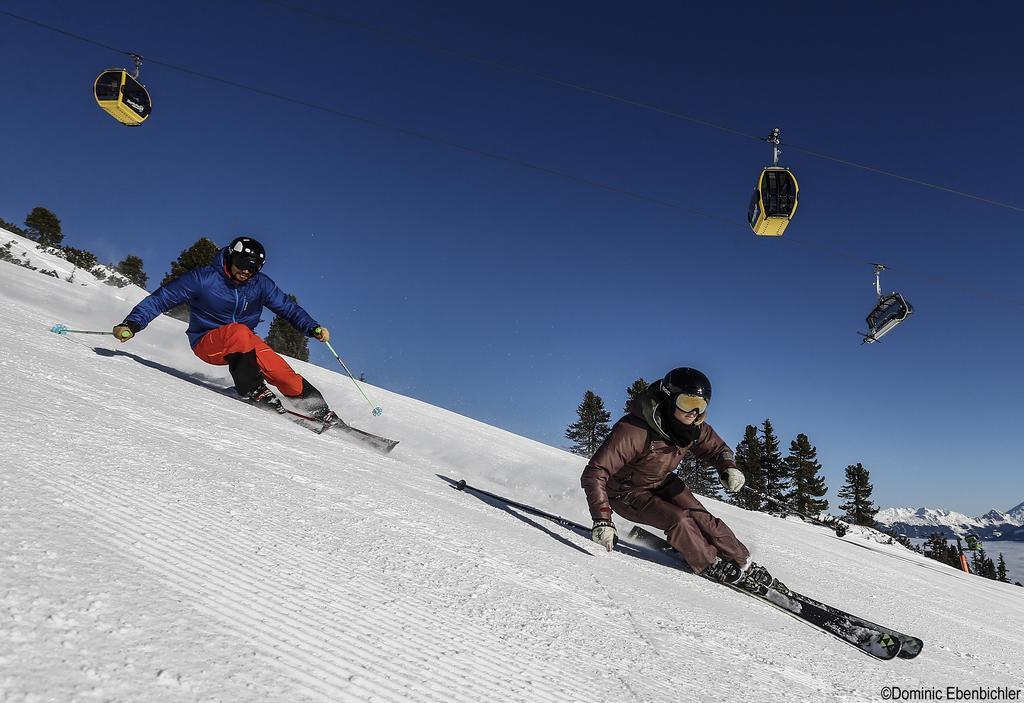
(920,522)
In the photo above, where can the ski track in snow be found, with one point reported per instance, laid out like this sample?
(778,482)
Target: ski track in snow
(160,541)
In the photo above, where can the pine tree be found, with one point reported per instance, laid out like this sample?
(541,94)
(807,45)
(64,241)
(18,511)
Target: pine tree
(938,548)
(982,565)
(638,387)
(699,476)
(11,227)
(131,268)
(202,253)
(590,430)
(808,486)
(44,227)
(776,476)
(748,461)
(1001,570)
(285,338)
(858,508)
(79,257)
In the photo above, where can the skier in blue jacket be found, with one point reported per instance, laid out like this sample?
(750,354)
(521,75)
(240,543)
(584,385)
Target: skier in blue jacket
(225,302)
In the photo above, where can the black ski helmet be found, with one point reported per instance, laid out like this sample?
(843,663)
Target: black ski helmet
(685,381)
(247,254)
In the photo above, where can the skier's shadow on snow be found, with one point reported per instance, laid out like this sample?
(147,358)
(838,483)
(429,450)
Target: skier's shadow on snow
(626,548)
(177,373)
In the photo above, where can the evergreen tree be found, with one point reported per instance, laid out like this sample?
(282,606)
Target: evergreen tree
(808,486)
(938,548)
(202,253)
(44,227)
(982,565)
(285,338)
(748,460)
(858,508)
(79,257)
(590,430)
(11,227)
(699,476)
(1001,570)
(131,268)
(638,387)
(774,470)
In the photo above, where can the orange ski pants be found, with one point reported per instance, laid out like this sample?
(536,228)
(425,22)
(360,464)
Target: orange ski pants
(236,338)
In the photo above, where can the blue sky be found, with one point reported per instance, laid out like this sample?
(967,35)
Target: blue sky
(504,293)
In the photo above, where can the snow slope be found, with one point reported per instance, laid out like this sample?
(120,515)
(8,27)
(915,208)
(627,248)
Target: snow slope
(161,541)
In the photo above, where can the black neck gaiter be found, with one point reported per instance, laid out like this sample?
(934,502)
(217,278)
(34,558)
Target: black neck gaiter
(682,435)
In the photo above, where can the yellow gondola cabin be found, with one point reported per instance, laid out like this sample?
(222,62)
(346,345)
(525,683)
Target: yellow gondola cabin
(121,95)
(774,201)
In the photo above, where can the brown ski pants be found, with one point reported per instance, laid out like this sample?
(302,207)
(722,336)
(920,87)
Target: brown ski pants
(694,532)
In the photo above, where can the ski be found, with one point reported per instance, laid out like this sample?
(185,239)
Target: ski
(381,444)
(875,640)
(910,646)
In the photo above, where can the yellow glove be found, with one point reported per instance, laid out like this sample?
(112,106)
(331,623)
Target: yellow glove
(322,333)
(123,333)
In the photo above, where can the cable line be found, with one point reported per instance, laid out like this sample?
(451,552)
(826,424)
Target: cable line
(512,68)
(731,223)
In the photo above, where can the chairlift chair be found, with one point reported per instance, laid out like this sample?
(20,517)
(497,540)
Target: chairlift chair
(121,95)
(890,311)
(775,197)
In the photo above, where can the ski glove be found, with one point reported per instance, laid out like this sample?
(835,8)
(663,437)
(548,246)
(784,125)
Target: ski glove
(603,533)
(123,333)
(322,333)
(732,480)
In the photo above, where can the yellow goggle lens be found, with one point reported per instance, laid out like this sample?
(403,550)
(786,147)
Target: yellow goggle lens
(689,403)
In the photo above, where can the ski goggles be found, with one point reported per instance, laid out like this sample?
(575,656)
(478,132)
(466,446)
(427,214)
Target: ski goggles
(246,263)
(689,403)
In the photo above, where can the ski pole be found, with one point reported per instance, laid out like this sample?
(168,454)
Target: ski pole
(377,410)
(838,527)
(63,329)
(462,485)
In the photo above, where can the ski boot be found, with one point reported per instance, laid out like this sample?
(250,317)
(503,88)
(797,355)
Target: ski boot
(263,397)
(724,571)
(755,576)
(311,402)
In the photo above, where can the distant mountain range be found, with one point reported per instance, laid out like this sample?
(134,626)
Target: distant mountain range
(922,522)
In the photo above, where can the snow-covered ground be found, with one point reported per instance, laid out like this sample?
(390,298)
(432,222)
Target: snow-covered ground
(160,541)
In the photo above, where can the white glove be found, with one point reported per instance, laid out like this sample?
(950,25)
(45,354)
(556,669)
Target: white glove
(603,533)
(732,480)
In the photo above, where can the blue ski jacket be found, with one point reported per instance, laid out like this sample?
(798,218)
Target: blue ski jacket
(215,300)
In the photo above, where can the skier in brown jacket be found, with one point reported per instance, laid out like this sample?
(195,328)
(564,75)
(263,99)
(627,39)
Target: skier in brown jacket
(633,474)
